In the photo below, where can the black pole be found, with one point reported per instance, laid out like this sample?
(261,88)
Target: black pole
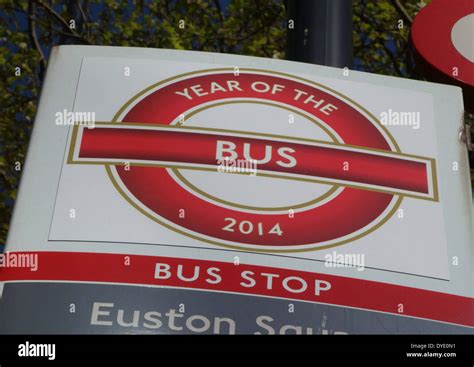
(322,32)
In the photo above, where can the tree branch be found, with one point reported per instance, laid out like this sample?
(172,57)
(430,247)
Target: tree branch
(70,32)
(392,58)
(32,33)
(402,11)
(219,10)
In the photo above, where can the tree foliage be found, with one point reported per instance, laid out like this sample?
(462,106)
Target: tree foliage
(29,29)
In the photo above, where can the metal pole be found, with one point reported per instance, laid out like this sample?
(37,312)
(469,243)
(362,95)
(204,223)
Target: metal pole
(322,32)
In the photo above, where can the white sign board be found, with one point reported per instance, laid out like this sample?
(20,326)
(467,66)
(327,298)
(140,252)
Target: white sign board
(227,176)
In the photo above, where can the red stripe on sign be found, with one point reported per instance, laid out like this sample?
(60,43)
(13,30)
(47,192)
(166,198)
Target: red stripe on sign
(330,162)
(246,279)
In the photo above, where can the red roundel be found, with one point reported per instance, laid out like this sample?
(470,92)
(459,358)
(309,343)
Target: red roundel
(443,38)
(348,215)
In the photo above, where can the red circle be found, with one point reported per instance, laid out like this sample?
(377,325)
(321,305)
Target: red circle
(154,187)
(435,52)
